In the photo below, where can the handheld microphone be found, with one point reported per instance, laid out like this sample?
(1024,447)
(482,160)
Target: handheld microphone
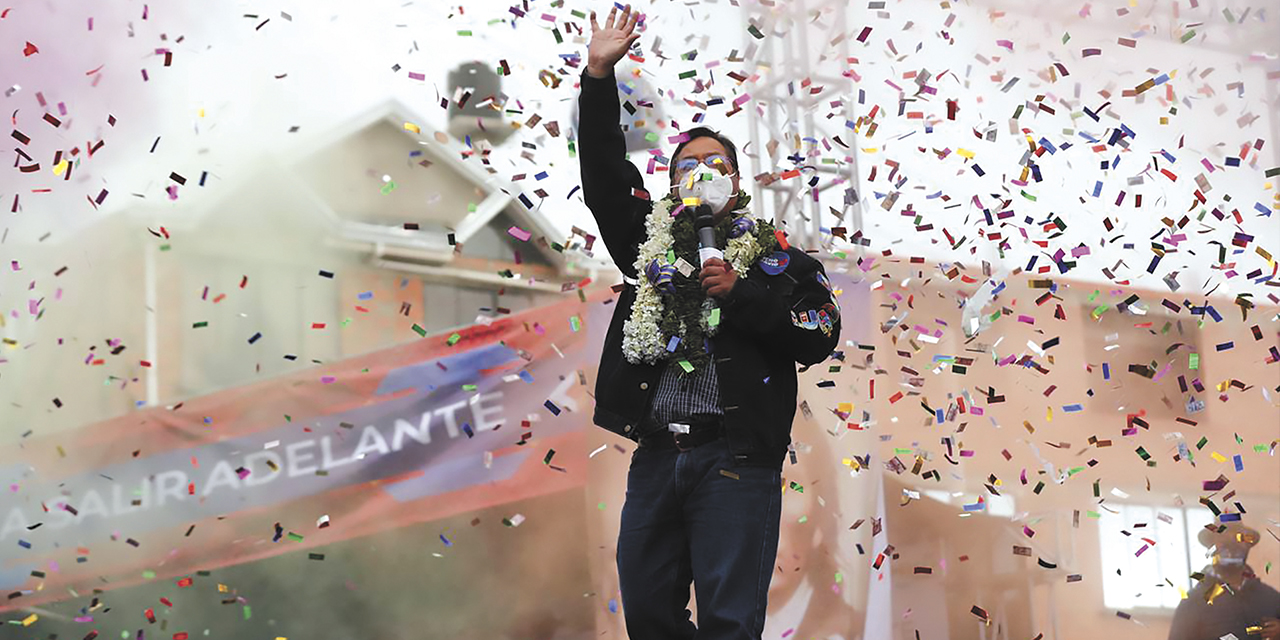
(704,222)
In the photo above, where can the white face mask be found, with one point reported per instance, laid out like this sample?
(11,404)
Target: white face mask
(715,191)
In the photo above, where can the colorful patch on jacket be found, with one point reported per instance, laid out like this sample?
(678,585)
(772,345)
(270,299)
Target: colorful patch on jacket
(775,263)
(826,284)
(812,319)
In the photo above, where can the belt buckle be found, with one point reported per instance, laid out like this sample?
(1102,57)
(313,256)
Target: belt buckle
(678,430)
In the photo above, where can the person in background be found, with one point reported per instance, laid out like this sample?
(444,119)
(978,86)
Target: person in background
(698,366)
(1229,598)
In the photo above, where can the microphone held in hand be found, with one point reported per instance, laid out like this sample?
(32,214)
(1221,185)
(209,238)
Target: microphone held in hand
(705,223)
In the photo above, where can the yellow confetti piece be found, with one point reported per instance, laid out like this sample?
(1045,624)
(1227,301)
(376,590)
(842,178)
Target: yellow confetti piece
(200,113)
(409,126)
(59,168)
(965,153)
(691,202)
(845,407)
(30,620)
(1049,414)
(1217,457)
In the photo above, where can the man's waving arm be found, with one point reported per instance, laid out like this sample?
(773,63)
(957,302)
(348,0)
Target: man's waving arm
(609,180)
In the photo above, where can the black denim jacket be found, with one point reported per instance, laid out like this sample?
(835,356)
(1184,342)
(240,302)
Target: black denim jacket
(768,322)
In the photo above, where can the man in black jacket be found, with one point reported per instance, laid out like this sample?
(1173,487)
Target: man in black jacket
(698,367)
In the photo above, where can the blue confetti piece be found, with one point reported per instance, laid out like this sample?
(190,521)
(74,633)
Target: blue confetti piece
(551,406)
(1239,462)
(673,343)
(526,376)
(1229,517)
(255,337)
(367,295)
(1097,188)
(445,540)
(1106,371)
(613,606)
(24,544)
(942,417)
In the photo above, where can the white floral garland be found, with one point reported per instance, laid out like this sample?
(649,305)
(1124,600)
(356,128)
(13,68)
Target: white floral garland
(642,339)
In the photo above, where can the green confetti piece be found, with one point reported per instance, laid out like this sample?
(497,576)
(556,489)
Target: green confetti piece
(573,149)
(803,519)
(1065,37)
(464,32)
(453,339)
(419,330)
(687,74)
(471,207)
(295,537)
(1101,309)
(574,323)
(652,136)
(796,487)
(688,368)
(1260,448)
(388,187)
(901,452)
(1093,514)
(1194,361)
(1073,471)
(1143,453)
(671,256)
(600,506)
(1027,195)
(1203,441)
(714,320)
(248,613)
(469,387)
(839,577)
(559,38)
(755,33)
(165,247)
(148,575)
(199,325)
(1188,35)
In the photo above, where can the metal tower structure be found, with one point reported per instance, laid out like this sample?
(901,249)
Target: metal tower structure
(796,113)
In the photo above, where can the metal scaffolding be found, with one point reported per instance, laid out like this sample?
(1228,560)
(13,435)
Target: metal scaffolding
(793,128)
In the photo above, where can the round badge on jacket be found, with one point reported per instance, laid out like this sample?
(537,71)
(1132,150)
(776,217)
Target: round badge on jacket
(775,263)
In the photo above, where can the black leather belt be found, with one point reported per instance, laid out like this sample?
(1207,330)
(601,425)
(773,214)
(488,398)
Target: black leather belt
(701,430)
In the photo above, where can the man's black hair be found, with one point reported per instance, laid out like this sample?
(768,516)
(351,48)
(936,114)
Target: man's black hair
(703,132)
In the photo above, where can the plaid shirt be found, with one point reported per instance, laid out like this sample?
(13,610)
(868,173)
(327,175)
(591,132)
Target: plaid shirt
(680,395)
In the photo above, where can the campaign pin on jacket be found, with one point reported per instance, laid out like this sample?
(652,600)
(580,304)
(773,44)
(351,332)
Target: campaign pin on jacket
(775,263)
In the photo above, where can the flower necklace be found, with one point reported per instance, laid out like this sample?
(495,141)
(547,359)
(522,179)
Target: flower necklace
(672,316)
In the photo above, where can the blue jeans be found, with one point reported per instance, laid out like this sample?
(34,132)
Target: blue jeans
(684,521)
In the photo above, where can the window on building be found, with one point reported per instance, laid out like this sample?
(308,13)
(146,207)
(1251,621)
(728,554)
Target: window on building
(1137,574)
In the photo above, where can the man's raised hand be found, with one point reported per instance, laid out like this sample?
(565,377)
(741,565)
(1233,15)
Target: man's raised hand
(609,44)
